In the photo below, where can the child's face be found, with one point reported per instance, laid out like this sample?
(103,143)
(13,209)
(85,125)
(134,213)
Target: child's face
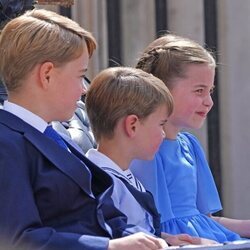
(192,97)
(68,87)
(150,134)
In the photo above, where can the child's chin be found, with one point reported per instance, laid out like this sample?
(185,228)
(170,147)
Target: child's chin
(200,126)
(197,125)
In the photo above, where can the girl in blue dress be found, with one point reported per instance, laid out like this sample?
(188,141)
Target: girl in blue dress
(179,176)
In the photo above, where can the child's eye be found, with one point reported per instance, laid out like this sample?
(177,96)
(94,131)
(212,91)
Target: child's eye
(199,91)
(211,91)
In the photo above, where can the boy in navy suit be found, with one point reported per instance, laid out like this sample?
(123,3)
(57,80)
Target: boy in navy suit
(52,197)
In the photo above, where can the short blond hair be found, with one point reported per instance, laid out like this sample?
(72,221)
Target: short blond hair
(117,92)
(38,36)
(168,57)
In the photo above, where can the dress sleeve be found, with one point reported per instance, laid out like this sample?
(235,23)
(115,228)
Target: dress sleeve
(208,200)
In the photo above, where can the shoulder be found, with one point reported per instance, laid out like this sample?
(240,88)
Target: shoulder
(121,195)
(190,139)
(119,185)
(187,136)
(193,144)
(11,140)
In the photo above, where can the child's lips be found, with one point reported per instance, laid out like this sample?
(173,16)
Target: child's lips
(202,114)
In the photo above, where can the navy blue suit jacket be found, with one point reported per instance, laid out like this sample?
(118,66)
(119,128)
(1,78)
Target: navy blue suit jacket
(51,197)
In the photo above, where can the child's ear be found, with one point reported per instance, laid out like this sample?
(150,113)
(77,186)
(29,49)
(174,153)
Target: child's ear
(131,124)
(45,73)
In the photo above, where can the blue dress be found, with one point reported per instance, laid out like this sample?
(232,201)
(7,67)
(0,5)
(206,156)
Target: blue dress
(184,190)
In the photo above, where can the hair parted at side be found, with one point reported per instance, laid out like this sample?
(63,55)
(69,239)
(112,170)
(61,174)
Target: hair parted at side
(120,91)
(168,57)
(38,36)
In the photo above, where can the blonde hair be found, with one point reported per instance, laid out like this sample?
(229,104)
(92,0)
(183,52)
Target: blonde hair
(168,57)
(36,37)
(117,92)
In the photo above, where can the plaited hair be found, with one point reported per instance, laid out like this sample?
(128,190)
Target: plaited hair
(167,57)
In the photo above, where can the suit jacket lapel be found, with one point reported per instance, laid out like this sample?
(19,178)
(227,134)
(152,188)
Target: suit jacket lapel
(65,161)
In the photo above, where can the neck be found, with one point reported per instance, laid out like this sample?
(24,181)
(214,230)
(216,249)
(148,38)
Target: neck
(115,152)
(171,131)
(27,101)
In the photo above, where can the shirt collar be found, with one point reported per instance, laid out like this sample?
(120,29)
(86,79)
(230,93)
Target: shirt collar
(103,161)
(27,116)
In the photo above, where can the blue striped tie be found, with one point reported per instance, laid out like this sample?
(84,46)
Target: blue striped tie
(50,132)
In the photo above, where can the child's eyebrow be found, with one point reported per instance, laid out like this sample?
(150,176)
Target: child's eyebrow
(203,86)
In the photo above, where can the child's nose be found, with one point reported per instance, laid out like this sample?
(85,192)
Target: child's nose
(208,101)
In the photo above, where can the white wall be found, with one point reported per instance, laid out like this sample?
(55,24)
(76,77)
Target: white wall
(234,41)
